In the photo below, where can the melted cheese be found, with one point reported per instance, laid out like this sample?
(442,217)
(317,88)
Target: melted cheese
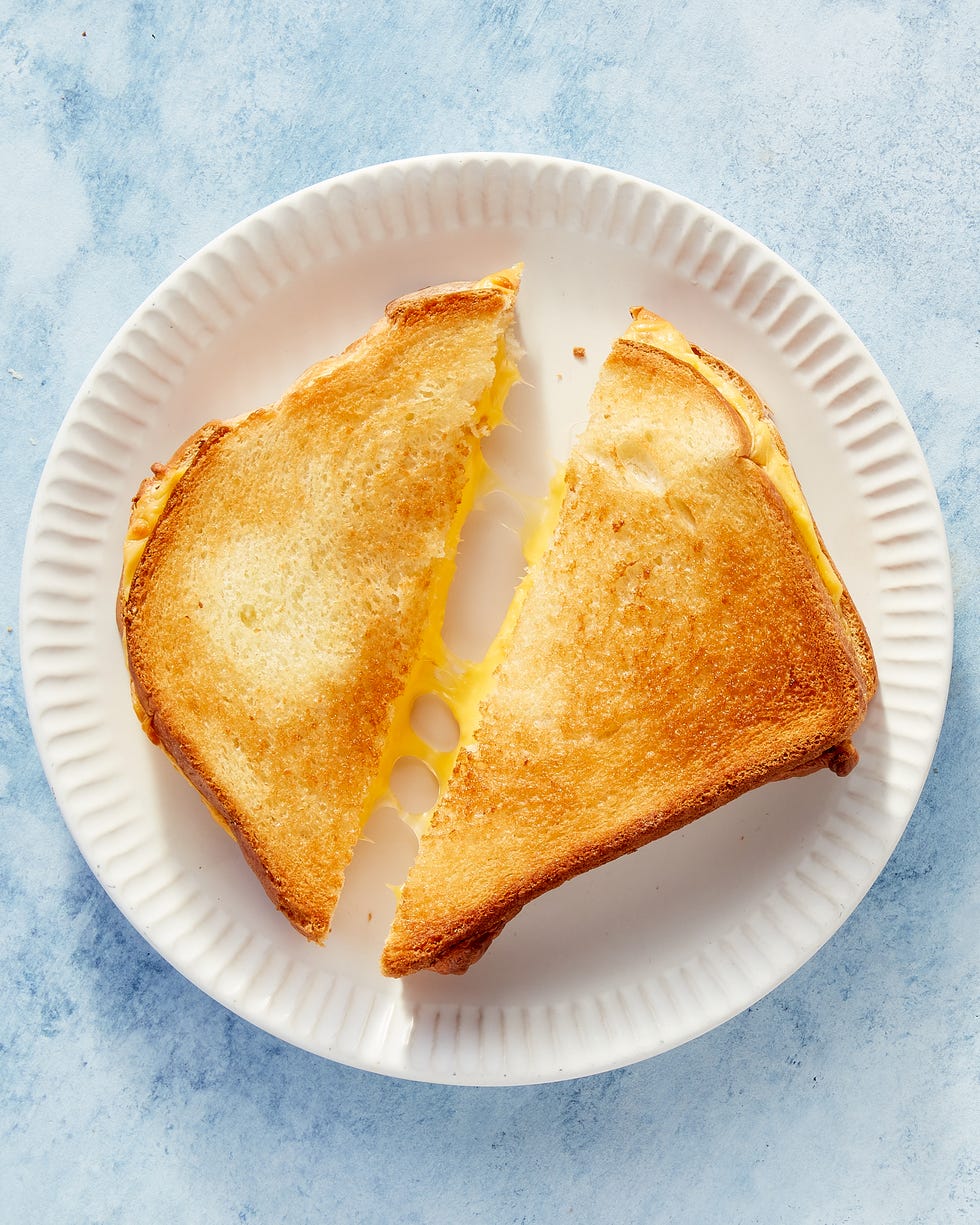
(149,506)
(461,684)
(651,329)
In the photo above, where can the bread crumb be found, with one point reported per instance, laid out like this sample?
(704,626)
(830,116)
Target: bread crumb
(370,916)
(559,377)
(578,351)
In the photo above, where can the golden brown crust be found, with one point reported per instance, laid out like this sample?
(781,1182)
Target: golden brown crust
(282,593)
(850,617)
(144,513)
(840,760)
(453,302)
(719,663)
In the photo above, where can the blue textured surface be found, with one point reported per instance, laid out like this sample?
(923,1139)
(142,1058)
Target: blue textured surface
(845,136)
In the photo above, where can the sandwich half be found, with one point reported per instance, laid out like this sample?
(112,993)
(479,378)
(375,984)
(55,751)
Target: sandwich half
(283,569)
(684,637)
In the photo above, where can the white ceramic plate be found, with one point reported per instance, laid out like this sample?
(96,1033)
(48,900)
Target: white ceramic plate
(644,953)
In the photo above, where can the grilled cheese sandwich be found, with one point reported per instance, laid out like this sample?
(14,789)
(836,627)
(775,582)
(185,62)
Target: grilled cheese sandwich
(676,644)
(282,573)
(285,687)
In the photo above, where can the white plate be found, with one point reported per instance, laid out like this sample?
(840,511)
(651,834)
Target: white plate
(637,956)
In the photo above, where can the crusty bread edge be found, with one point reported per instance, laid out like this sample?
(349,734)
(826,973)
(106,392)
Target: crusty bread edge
(457,952)
(188,456)
(848,614)
(184,458)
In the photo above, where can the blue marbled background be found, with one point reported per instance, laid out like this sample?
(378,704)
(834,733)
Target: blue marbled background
(845,136)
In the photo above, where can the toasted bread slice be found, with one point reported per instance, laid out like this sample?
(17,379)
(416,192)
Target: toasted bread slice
(684,638)
(282,569)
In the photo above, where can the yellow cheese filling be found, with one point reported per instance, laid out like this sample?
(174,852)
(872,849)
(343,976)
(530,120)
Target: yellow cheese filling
(146,514)
(651,329)
(462,685)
